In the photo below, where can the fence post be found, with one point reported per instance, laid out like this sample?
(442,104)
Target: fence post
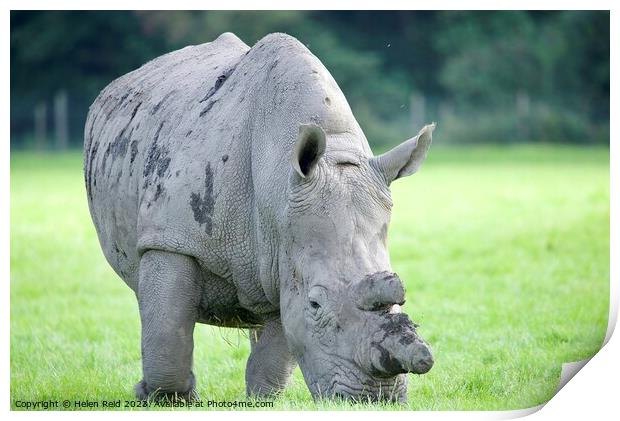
(40,126)
(61,120)
(522,105)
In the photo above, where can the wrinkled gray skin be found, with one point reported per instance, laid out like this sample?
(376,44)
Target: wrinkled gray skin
(232,186)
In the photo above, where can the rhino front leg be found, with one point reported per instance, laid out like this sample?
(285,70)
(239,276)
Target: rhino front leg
(168,295)
(270,364)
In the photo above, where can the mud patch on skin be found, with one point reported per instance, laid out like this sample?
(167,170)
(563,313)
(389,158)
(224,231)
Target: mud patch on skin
(119,251)
(117,105)
(156,138)
(399,325)
(89,177)
(132,156)
(218,84)
(133,113)
(90,134)
(134,151)
(160,103)
(88,161)
(115,149)
(388,363)
(121,259)
(207,108)
(157,160)
(158,192)
(119,146)
(202,204)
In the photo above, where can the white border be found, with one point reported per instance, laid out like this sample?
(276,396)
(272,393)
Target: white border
(597,385)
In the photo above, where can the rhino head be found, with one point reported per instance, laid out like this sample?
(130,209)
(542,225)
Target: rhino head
(340,302)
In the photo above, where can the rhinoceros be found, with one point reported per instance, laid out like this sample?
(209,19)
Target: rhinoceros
(233,186)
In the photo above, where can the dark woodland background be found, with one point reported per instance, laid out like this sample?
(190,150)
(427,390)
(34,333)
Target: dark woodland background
(499,77)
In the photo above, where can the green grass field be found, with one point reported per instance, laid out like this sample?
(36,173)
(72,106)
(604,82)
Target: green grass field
(504,252)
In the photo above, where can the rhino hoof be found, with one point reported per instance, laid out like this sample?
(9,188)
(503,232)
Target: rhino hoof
(144,393)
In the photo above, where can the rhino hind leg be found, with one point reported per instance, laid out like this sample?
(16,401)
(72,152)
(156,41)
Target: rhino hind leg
(169,292)
(270,364)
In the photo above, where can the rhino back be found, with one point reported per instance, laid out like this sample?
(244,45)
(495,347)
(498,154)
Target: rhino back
(138,137)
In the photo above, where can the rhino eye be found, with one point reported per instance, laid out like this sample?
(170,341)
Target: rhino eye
(314,305)
(345,164)
(316,298)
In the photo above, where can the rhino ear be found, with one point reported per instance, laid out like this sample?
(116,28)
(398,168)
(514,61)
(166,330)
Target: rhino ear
(406,158)
(309,148)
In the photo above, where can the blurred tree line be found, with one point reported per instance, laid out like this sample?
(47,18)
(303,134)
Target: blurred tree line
(501,77)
